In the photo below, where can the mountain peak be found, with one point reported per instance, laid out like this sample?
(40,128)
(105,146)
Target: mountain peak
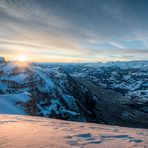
(2,60)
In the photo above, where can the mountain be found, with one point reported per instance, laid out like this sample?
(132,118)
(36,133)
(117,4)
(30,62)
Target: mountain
(2,60)
(27,131)
(114,93)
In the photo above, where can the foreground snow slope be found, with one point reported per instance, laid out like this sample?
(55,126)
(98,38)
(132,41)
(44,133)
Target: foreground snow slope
(8,103)
(26,131)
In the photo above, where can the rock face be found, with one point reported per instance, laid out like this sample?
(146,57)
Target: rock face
(112,94)
(2,60)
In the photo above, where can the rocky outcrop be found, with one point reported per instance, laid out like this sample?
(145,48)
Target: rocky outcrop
(2,60)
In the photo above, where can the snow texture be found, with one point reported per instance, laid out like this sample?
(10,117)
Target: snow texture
(8,103)
(26,131)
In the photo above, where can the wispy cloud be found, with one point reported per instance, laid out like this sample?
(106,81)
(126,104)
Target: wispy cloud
(85,30)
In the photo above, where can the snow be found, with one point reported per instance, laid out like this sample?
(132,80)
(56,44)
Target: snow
(7,68)
(69,100)
(20,78)
(2,86)
(47,80)
(141,95)
(126,77)
(128,64)
(55,106)
(48,109)
(8,103)
(145,84)
(133,86)
(26,131)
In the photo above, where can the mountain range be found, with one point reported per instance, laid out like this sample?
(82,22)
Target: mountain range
(114,93)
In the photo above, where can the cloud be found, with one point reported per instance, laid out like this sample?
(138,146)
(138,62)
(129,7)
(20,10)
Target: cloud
(83,29)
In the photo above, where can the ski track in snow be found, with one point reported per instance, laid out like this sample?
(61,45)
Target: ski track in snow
(18,131)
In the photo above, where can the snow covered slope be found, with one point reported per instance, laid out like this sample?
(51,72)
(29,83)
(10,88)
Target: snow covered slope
(9,103)
(31,132)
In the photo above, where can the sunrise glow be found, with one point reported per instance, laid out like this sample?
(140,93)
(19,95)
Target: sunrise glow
(22,58)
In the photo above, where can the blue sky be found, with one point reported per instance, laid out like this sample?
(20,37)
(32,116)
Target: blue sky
(74,30)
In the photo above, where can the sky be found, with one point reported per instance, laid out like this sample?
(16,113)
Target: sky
(74,30)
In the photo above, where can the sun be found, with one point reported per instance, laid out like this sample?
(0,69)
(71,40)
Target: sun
(22,58)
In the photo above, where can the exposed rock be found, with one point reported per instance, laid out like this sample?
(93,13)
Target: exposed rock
(2,60)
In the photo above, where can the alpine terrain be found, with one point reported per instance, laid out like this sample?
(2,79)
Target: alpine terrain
(114,93)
